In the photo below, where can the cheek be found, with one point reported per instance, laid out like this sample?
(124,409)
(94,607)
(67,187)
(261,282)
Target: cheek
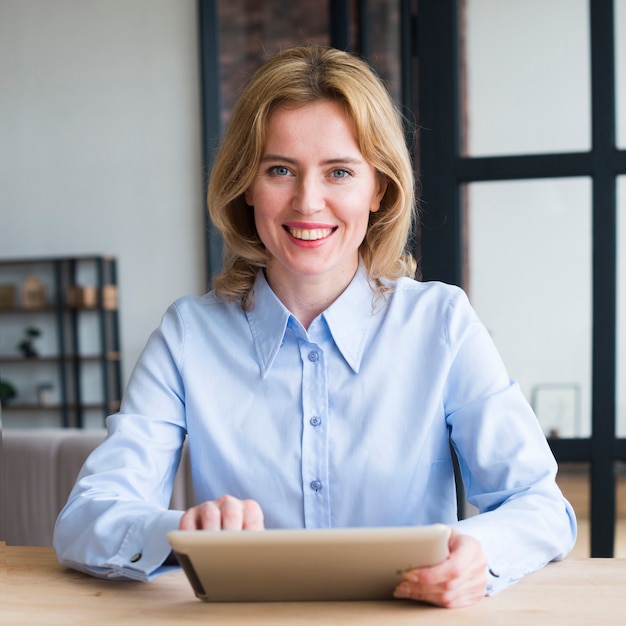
(356,227)
(253,195)
(264,199)
(262,223)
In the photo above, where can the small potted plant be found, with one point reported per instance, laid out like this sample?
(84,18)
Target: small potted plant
(7,392)
(27,345)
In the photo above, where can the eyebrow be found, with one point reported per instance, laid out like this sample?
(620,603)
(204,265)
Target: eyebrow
(279,157)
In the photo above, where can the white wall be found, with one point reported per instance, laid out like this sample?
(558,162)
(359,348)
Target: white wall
(100,145)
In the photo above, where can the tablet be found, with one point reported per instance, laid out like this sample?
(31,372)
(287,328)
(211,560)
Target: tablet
(282,565)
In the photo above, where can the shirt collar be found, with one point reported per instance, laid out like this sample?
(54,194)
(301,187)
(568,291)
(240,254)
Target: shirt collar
(268,320)
(348,320)
(350,316)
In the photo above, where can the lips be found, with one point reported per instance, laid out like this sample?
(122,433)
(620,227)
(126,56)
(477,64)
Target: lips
(309,234)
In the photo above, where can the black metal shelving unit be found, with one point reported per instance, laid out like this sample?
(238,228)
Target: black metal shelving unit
(63,318)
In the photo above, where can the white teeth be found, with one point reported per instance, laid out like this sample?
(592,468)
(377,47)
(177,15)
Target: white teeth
(310,234)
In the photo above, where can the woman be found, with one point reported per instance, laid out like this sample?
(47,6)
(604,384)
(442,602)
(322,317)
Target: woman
(320,385)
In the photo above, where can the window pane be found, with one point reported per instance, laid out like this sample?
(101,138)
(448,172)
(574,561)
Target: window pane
(621,306)
(529,259)
(620,70)
(527,77)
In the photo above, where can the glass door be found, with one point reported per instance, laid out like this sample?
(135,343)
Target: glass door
(521,165)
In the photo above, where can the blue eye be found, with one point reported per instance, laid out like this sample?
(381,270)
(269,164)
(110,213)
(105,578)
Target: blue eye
(340,173)
(279,170)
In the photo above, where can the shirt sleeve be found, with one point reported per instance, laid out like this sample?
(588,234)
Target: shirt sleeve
(507,467)
(115,522)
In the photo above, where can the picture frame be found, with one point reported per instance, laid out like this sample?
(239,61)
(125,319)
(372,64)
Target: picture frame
(557,407)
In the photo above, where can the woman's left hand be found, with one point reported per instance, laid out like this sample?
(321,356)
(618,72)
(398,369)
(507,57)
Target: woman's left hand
(461,580)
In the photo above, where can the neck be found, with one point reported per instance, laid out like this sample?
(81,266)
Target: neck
(307,296)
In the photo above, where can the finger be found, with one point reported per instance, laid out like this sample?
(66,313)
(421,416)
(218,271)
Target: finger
(448,596)
(187,521)
(431,577)
(225,513)
(231,513)
(458,581)
(465,560)
(252,515)
(205,516)
(461,590)
(191,519)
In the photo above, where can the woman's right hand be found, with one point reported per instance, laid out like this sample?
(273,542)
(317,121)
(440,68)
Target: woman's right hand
(225,513)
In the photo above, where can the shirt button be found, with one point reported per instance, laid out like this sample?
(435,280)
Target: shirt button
(314,356)
(315,421)
(135,557)
(316,485)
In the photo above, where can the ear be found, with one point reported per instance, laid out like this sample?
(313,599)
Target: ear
(247,196)
(379,193)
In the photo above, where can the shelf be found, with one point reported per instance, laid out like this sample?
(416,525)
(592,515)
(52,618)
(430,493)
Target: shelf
(51,308)
(93,258)
(90,406)
(73,300)
(17,359)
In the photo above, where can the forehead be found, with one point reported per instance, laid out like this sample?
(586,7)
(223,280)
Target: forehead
(325,120)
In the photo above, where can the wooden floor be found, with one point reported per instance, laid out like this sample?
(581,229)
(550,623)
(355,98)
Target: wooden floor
(574,482)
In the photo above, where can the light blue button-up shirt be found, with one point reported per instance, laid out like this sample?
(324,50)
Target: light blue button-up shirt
(346,424)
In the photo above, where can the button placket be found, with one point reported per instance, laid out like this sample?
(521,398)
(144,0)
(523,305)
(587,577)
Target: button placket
(314,437)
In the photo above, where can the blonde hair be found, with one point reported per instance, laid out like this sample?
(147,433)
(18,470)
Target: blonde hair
(299,76)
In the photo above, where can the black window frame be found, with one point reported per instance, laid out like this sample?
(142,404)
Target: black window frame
(443,173)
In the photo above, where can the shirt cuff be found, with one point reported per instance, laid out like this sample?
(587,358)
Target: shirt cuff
(498,570)
(144,549)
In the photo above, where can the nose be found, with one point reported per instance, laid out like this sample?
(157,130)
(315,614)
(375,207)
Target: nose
(309,196)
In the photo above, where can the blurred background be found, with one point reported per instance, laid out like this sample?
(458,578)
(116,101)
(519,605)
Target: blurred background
(110,112)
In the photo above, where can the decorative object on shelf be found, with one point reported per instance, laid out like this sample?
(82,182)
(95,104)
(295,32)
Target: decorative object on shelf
(86,297)
(27,345)
(82,297)
(7,392)
(7,296)
(33,293)
(45,394)
(109,297)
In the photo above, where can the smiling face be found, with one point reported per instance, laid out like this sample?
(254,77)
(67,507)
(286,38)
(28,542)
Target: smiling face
(312,196)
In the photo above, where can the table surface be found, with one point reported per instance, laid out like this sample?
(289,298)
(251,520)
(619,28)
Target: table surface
(35,589)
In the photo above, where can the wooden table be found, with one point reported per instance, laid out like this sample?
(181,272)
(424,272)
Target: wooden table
(35,589)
